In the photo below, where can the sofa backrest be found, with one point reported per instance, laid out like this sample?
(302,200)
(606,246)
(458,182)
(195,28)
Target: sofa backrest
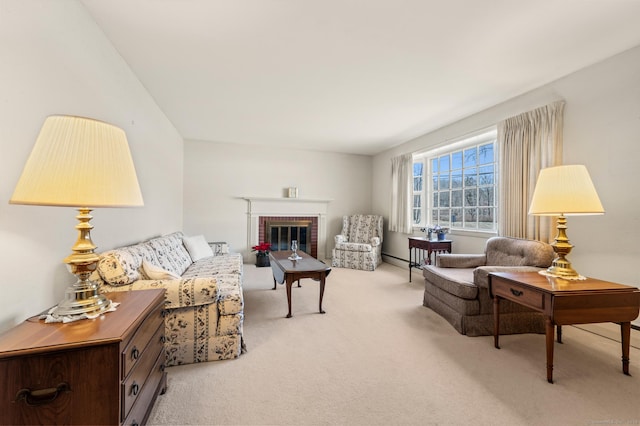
(361,228)
(507,251)
(123,265)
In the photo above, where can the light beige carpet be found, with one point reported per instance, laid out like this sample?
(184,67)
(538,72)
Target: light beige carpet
(378,357)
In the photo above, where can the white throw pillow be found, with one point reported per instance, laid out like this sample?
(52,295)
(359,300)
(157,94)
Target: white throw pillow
(157,273)
(197,247)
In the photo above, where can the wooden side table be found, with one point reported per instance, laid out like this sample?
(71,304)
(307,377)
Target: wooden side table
(566,302)
(107,370)
(418,246)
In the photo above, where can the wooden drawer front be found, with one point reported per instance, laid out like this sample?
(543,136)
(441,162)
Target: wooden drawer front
(520,294)
(133,385)
(92,395)
(136,346)
(138,412)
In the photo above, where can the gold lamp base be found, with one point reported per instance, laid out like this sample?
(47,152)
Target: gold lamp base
(561,267)
(83,297)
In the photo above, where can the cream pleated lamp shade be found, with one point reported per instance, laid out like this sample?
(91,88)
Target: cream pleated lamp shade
(79,162)
(565,190)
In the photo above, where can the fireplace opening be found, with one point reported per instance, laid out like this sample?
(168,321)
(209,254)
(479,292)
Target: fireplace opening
(281,234)
(280,231)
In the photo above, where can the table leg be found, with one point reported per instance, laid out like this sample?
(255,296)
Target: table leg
(496,321)
(625,334)
(559,331)
(274,283)
(323,275)
(429,251)
(410,258)
(289,284)
(549,335)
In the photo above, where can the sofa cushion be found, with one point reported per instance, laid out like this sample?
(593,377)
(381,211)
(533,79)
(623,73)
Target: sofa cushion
(197,247)
(119,267)
(170,252)
(456,281)
(212,266)
(503,251)
(154,272)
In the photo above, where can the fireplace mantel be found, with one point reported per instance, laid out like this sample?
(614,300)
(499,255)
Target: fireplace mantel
(265,206)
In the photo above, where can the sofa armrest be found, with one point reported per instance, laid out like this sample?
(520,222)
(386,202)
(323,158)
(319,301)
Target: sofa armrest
(481,274)
(179,293)
(341,239)
(447,260)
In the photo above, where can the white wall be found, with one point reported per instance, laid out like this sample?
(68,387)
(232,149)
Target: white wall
(55,60)
(602,131)
(217,174)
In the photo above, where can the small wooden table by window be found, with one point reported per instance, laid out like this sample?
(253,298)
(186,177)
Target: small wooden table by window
(418,246)
(566,302)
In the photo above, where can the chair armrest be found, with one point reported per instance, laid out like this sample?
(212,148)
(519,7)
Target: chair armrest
(481,274)
(341,239)
(447,260)
(375,241)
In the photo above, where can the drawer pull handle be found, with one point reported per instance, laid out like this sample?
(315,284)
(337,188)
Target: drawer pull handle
(516,293)
(41,396)
(135,353)
(134,388)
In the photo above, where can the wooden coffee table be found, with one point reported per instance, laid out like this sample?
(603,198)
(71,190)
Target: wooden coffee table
(287,271)
(566,302)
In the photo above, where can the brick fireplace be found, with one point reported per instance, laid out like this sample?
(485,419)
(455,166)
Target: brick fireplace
(280,230)
(290,213)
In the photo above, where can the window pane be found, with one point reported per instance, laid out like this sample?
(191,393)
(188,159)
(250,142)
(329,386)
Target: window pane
(444,182)
(470,157)
(456,179)
(434,216)
(434,201)
(485,196)
(444,164)
(485,218)
(417,168)
(485,153)
(470,197)
(434,165)
(470,178)
(444,217)
(486,175)
(417,183)
(456,198)
(417,198)
(456,217)
(470,217)
(417,216)
(456,160)
(444,199)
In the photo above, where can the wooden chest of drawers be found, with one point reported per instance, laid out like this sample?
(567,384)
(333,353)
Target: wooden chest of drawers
(103,371)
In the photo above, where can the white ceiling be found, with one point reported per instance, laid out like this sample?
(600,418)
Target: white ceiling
(354,76)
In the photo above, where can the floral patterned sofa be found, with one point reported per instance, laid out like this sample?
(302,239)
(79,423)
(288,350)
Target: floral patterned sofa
(359,245)
(204,301)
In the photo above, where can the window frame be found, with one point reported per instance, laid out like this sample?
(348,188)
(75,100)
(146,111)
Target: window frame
(425,193)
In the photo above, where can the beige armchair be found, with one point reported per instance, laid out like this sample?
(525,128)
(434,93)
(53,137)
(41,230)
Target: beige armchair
(359,245)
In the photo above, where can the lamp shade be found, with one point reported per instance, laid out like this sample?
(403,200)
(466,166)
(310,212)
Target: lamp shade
(565,190)
(79,162)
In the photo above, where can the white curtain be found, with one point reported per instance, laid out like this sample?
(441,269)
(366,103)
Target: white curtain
(401,194)
(527,143)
